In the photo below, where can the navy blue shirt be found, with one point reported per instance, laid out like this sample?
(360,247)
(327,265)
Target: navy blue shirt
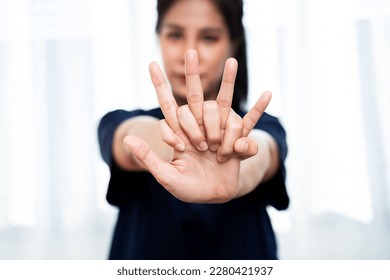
(153,224)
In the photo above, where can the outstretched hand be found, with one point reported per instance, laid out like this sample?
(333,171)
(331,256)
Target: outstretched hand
(208,138)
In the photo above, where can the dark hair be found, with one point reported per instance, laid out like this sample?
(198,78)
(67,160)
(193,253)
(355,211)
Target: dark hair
(232,12)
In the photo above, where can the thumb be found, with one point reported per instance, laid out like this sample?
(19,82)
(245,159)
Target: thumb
(147,157)
(245,147)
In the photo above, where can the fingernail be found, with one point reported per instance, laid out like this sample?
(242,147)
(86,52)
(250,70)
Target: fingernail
(243,146)
(214,147)
(222,159)
(180,147)
(203,146)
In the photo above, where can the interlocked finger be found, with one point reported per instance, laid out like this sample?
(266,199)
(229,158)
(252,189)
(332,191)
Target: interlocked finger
(225,95)
(189,124)
(211,117)
(194,86)
(165,97)
(253,116)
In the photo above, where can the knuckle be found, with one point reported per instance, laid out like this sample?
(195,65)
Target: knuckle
(166,105)
(210,106)
(235,124)
(182,111)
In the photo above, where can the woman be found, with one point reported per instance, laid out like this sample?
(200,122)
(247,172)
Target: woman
(192,179)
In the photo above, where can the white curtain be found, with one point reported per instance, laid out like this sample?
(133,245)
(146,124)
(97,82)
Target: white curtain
(64,63)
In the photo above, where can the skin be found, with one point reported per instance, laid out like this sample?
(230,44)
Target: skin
(202,152)
(194,25)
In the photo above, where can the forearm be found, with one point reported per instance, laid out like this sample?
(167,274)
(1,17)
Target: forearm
(145,128)
(262,166)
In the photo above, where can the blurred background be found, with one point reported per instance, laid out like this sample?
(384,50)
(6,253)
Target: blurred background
(65,63)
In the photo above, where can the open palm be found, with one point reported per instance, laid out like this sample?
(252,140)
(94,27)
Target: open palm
(208,138)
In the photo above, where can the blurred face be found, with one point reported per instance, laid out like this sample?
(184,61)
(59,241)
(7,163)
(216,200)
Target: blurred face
(195,24)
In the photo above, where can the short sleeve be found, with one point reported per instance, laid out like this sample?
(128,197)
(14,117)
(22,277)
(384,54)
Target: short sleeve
(274,191)
(120,191)
(107,125)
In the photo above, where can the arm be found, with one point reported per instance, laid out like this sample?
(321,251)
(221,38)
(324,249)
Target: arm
(146,128)
(262,166)
(196,176)
(196,173)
